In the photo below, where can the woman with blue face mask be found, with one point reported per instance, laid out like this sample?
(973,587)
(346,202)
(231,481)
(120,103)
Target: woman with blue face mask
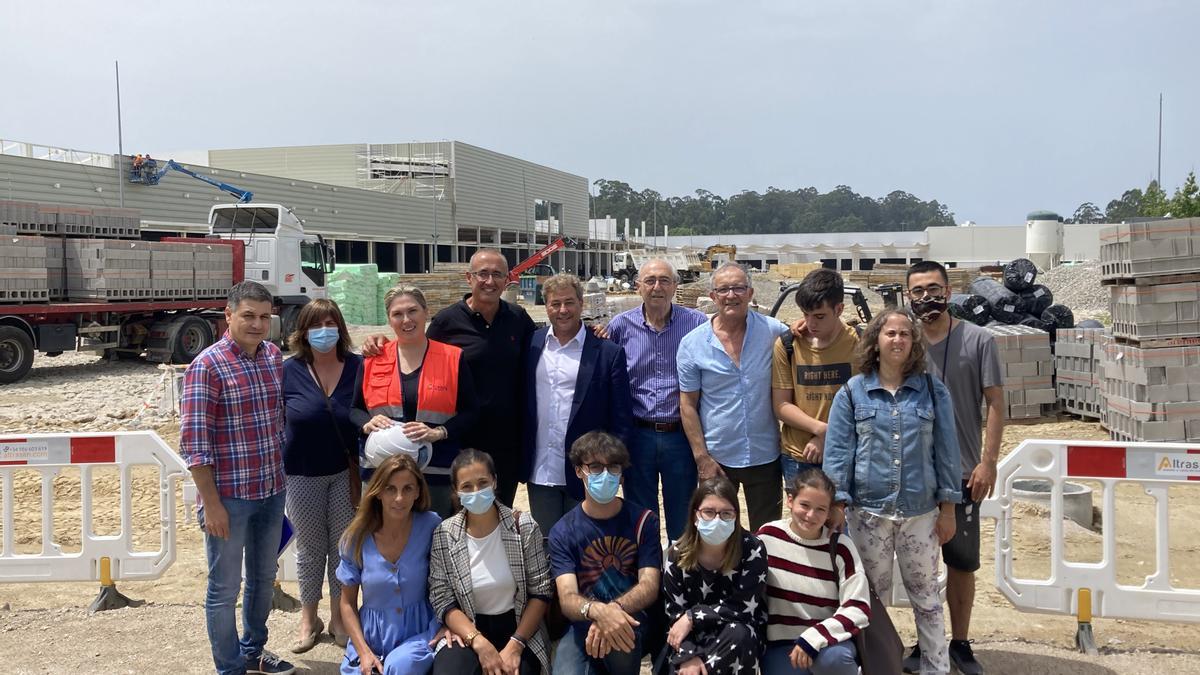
(489,579)
(714,587)
(320,456)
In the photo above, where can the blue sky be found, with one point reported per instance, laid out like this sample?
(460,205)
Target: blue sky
(993,108)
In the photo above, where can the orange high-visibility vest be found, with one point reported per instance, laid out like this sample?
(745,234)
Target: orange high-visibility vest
(437,387)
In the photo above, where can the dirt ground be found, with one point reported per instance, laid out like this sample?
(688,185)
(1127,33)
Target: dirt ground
(48,626)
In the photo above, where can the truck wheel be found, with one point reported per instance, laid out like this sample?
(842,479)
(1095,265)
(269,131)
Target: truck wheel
(16,354)
(193,336)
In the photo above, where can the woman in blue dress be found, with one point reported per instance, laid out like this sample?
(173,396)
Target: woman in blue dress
(385,554)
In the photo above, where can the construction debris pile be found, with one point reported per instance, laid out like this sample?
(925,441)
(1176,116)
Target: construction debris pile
(1078,286)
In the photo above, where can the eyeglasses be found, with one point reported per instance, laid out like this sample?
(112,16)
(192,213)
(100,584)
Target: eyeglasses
(725,514)
(731,290)
(597,468)
(485,275)
(658,281)
(919,292)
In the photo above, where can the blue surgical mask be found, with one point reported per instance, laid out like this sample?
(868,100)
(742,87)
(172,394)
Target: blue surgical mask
(323,339)
(716,531)
(479,501)
(603,486)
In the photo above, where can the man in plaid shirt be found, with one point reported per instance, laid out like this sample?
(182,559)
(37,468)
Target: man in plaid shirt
(232,439)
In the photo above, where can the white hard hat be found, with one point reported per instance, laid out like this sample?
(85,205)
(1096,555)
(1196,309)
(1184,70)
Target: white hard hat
(392,441)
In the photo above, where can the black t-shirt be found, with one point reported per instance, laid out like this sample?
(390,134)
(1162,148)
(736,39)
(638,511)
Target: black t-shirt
(496,355)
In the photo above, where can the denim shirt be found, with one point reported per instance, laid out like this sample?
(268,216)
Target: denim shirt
(894,456)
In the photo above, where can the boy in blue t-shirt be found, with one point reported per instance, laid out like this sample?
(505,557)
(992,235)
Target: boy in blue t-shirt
(606,561)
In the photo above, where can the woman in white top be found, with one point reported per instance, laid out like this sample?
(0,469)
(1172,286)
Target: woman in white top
(489,579)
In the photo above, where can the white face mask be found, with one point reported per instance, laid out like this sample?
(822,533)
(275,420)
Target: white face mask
(716,531)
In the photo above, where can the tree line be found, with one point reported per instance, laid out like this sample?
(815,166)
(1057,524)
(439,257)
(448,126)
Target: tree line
(1149,203)
(775,211)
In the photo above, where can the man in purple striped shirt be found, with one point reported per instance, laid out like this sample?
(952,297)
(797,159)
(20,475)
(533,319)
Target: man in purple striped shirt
(650,335)
(231,436)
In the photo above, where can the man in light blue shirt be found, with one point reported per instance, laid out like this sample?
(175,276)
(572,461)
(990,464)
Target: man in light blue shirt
(725,395)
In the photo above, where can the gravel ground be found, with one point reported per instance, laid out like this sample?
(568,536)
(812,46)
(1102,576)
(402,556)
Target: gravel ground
(1078,287)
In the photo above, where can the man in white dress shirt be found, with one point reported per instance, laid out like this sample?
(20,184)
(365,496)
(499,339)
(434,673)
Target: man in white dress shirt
(575,383)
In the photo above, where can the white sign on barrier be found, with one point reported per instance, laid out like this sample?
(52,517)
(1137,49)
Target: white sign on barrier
(48,454)
(1153,466)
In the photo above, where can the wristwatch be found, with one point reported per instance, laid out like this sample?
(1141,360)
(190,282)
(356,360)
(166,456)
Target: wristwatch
(471,638)
(585,608)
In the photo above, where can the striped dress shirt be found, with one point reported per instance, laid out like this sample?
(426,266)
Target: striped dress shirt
(232,418)
(650,355)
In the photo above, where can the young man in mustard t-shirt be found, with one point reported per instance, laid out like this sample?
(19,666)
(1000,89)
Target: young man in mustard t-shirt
(803,386)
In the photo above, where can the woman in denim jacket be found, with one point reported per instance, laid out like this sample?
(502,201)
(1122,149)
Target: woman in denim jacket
(892,453)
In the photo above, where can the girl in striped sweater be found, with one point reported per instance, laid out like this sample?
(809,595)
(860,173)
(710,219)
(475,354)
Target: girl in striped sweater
(815,607)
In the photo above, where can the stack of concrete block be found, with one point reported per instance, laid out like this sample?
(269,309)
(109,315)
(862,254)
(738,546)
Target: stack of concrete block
(1028,369)
(1152,270)
(213,270)
(1152,394)
(75,221)
(595,305)
(1132,250)
(1148,312)
(1079,371)
(107,269)
(172,271)
(16,217)
(111,222)
(23,270)
(56,272)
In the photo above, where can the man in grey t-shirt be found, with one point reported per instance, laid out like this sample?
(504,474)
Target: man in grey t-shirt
(964,356)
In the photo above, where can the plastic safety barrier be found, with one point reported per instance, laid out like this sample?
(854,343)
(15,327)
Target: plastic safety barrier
(1083,588)
(101,557)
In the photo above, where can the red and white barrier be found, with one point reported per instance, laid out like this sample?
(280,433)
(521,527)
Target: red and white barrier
(1154,467)
(48,454)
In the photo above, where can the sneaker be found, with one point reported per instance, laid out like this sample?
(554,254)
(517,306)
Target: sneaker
(268,664)
(912,662)
(963,658)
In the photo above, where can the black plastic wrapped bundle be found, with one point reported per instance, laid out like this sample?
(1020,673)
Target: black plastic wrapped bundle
(973,308)
(1019,275)
(1089,323)
(1035,322)
(1005,305)
(1036,298)
(1059,315)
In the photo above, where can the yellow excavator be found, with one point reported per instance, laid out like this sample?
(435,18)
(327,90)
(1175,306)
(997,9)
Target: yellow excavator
(719,254)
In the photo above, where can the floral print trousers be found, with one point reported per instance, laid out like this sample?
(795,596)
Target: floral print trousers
(912,542)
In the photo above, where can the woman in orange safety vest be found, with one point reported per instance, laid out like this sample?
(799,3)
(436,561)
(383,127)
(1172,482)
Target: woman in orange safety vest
(422,384)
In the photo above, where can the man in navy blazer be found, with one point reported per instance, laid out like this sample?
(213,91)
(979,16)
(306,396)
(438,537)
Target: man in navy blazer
(576,383)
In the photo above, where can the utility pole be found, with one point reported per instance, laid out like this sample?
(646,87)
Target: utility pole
(120,141)
(1160,99)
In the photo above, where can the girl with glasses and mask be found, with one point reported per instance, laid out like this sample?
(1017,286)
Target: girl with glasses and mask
(489,579)
(816,606)
(714,587)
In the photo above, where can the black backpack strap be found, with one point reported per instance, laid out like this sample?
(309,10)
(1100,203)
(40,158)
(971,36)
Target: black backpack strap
(789,346)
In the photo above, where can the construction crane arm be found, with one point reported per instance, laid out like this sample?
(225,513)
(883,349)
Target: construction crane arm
(514,275)
(243,196)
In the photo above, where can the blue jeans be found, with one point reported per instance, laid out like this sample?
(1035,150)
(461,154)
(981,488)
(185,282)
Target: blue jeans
(255,526)
(792,468)
(667,454)
(836,659)
(571,659)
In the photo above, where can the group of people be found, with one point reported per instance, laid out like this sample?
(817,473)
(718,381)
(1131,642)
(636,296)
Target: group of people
(871,442)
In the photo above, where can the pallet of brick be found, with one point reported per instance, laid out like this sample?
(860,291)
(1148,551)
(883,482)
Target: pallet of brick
(688,294)
(56,272)
(23,270)
(355,289)
(212,270)
(1078,371)
(107,269)
(1152,394)
(172,271)
(1133,250)
(1151,312)
(441,288)
(114,222)
(795,270)
(1028,369)
(75,221)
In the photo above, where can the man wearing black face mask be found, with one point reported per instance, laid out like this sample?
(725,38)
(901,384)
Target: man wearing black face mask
(964,356)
